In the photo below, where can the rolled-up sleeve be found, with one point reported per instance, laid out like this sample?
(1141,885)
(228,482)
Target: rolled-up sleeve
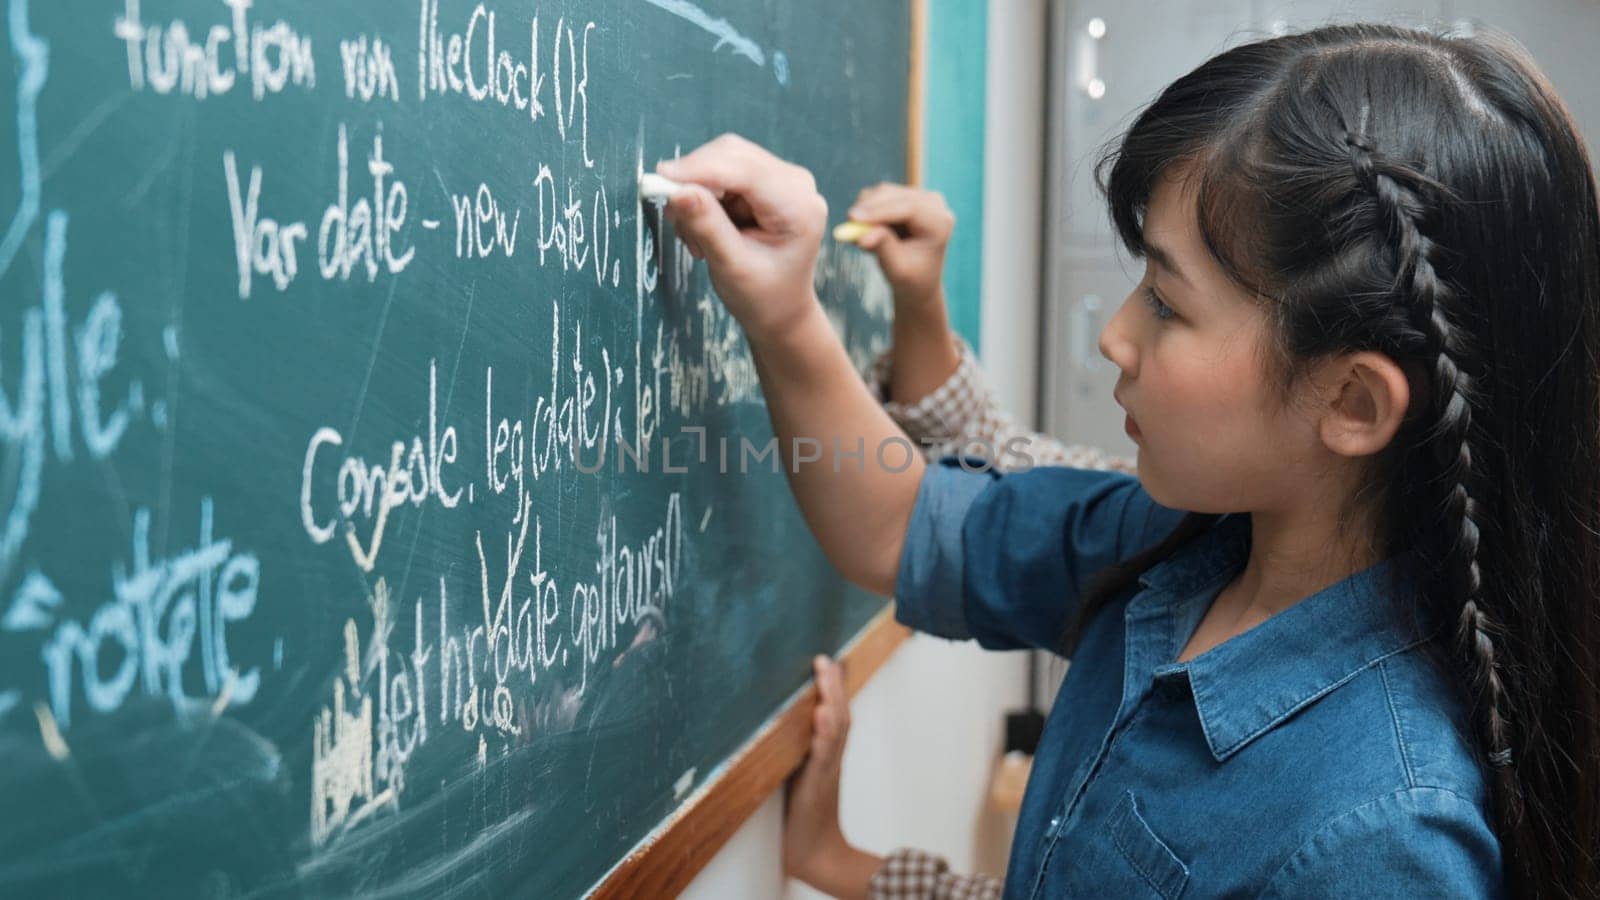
(1004,559)
(927,589)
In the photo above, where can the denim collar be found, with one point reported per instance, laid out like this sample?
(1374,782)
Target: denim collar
(1245,686)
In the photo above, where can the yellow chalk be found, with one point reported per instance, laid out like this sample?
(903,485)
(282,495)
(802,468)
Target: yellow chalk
(50,733)
(851,231)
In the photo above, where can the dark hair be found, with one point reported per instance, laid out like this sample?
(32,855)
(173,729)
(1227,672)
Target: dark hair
(1426,196)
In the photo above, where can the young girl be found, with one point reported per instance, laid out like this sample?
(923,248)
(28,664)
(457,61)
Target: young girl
(1339,636)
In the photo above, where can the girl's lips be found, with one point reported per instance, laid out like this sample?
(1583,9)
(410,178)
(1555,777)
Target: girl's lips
(1131,428)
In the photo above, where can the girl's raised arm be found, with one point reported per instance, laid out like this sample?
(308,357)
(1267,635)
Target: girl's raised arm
(757,221)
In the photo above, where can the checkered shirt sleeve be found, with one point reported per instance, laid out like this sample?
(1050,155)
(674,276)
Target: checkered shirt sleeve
(960,417)
(909,874)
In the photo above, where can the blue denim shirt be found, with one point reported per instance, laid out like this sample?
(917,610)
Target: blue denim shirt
(1321,753)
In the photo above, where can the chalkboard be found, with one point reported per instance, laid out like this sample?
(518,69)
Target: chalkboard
(387,504)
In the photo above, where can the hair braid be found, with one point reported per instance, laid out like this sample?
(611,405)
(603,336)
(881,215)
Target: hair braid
(1427,197)
(1399,191)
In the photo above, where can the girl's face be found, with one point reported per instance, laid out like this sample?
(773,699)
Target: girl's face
(1212,435)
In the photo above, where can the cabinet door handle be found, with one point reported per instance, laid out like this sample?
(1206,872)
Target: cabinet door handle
(1088,41)
(1085,324)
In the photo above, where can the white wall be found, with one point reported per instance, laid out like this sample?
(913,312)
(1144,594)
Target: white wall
(924,737)
(1013,201)
(928,728)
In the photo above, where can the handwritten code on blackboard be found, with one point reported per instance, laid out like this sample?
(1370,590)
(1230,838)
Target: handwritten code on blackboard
(387,502)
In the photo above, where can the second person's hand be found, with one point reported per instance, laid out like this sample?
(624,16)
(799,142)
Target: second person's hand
(913,230)
(757,221)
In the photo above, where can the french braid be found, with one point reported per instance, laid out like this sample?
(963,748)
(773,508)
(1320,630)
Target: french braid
(1402,199)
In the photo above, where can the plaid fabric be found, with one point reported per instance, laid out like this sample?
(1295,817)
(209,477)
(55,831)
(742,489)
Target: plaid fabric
(960,417)
(907,873)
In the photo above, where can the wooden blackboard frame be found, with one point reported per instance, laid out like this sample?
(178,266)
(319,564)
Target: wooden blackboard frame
(668,858)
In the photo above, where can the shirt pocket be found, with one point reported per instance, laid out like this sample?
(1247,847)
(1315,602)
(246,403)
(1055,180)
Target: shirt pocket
(1140,848)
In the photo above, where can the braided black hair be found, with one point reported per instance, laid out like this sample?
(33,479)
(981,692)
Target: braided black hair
(1425,196)
(1402,199)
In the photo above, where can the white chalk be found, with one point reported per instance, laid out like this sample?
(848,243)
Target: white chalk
(657,188)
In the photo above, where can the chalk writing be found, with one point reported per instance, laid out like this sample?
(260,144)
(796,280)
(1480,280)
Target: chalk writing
(470,63)
(163,615)
(54,398)
(165,58)
(362,231)
(577,237)
(481,228)
(414,609)
(489,665)
(413,473)
(369,71)
(261,246)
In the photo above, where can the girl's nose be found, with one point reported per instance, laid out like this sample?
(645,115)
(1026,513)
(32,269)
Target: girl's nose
(1115,344)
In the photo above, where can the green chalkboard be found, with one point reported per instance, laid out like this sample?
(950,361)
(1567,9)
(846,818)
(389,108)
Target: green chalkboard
(365,524)
(957,81)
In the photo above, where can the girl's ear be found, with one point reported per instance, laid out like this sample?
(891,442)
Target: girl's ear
(1367,398)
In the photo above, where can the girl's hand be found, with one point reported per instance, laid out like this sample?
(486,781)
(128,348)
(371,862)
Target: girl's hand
(813,843)
(757,221)
(914,229)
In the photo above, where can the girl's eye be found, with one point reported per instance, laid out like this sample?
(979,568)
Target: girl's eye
(1153,301)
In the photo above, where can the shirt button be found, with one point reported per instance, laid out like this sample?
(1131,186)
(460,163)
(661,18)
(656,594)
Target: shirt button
(1055,822)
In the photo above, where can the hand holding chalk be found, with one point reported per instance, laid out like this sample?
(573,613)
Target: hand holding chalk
(757,221)
(908,230)
(657,188)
